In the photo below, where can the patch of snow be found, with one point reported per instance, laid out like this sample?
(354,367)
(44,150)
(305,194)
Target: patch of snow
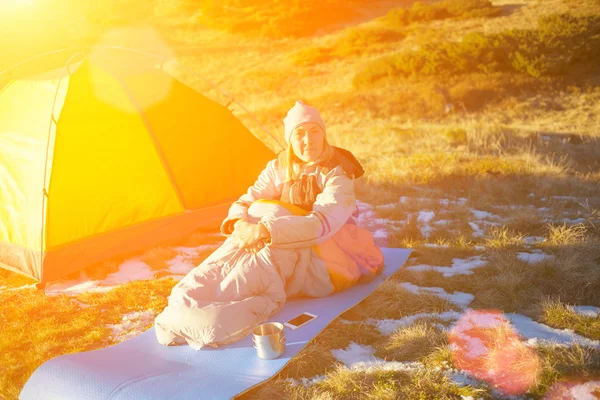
(513,207)
(534,239)
(460,201)
(426,231)
(435,245)
(444,202)
(564,197)
(531,195)
(544,209)
(462,378)
(368,219)
(573,221)
(130,270)
(365,216)
(459,266)
(585,391)
(363,206)
(587,311)
(442,222)
(530,329)
(459,298)
(182,263)
(380,234)
(533,258)
(479,248)
(387,206)
(491,223)
(75,287)
(382,221)
(132,324)
(477,231)
(478,214)
(543,199)
(425,216)
(389,326)
(382,365)
(4,289)
(423,221)
(308,382)
(354,353)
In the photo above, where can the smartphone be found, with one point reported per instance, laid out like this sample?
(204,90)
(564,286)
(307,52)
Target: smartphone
(300,320)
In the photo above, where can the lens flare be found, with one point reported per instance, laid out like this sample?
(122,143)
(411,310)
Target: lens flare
(574,389)
(131,70)
(484,344)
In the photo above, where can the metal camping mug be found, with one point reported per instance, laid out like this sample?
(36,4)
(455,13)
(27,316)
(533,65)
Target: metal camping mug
(269,340)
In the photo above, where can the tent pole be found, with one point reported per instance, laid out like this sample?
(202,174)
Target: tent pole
(9,69)
(85,52)
(232,98)
(45,195)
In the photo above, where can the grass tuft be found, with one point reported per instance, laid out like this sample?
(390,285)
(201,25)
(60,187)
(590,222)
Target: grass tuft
(562,316)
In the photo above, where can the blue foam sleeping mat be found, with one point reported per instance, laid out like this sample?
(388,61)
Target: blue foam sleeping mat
(141,368)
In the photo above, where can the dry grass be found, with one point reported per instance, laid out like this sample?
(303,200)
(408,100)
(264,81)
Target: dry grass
(375,383)
(316,357)
(513,285)
(490,148)
(392,301)
(560,315)
(575,363)
(35,326)
(456,283)
(412,343)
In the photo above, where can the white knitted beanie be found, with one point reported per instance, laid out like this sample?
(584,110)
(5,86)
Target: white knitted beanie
(299,114)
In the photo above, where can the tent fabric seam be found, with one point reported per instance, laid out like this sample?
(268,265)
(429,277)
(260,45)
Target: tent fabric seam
(150,132)
(48,177)
(16,245)
(18,271)
(7,85)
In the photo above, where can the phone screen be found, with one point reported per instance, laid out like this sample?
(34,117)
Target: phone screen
(300,319)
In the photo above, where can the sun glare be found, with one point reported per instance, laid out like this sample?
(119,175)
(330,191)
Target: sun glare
(15,3)
(14,6)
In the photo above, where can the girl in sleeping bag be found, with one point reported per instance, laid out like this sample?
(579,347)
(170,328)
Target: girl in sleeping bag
(292,234)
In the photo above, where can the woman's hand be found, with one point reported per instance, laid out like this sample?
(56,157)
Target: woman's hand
(250,237)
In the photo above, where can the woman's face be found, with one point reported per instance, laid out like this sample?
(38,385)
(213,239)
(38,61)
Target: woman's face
(308,141)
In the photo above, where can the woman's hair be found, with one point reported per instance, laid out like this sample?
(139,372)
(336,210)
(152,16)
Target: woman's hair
(289,161)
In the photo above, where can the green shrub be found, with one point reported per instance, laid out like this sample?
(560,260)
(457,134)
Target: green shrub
(378,70)
(421,12)
(562,44)
(359,40)
(470,8)
(313,55)
(278,18)
(356,41)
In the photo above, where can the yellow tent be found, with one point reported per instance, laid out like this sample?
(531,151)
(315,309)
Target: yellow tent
(91,168)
